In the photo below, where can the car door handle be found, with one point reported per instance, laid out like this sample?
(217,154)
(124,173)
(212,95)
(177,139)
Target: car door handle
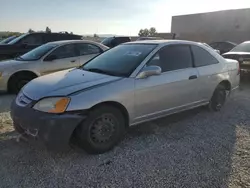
(73,61)
(192,77)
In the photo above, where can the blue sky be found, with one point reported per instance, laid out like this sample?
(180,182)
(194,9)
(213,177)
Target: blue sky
(122,17)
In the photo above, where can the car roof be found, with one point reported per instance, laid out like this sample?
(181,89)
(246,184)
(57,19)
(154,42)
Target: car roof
(162,42)
(246,42)
(72,41)
(70,34)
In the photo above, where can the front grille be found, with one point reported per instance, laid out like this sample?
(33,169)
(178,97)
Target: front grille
(23,100)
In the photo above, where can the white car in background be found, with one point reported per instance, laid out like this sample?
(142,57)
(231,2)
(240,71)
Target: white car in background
(48,58)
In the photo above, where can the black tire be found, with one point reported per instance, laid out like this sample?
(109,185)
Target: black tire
(218,99)
(102,130)
(17,82)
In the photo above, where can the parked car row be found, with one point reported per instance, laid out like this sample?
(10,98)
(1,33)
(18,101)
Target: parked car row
(48,58)
(20,45)
(129,84)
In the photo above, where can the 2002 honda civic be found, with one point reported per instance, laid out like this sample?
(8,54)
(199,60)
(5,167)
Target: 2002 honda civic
(127,85)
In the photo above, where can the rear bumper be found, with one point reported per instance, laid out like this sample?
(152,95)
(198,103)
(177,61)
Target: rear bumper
(53,130)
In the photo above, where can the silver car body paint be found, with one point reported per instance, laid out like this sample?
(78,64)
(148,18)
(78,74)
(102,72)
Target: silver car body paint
(144,99)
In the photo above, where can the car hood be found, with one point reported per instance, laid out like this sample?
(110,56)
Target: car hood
(64,83)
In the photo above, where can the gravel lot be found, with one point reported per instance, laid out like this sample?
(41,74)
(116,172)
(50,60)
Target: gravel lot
(197,148)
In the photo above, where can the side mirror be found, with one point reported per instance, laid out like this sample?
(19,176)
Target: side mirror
(50,58)
(149,71)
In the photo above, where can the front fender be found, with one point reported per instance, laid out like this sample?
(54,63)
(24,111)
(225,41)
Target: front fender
(121,92)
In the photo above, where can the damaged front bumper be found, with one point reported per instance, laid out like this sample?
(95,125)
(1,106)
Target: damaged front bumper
(54,130)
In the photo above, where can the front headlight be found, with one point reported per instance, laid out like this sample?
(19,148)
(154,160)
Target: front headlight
(52,104)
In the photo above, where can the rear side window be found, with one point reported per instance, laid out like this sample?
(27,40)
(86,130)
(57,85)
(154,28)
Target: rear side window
(173,57)
(202,57)
(87,49)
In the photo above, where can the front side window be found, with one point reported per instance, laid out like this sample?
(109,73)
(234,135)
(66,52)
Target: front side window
(87,49)
(120,61)
(202,57)
(172,57)
(37,53)
(65,51)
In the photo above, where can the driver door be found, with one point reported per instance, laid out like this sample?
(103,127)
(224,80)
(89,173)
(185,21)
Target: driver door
(63,57)
(173,90)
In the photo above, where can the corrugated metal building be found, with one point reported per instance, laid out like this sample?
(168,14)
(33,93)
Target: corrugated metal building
(228,25)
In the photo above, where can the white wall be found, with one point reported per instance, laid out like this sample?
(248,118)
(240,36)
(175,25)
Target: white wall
(232,25)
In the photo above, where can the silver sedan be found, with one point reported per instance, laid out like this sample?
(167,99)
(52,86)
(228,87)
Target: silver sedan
(48,58)
(127,85)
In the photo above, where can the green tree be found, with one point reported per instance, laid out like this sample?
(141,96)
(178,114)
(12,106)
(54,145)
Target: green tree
(143,32)
(152,31)
(96,36)
(31,31)
(48,30)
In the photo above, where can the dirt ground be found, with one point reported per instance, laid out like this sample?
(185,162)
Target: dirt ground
(196,148)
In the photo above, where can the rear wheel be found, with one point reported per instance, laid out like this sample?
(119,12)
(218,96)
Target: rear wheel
(218,99)
(102,130)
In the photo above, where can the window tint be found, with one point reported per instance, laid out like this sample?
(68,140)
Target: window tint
(86,49)
(65,51)
(32,40)
(172,58)
(202,57)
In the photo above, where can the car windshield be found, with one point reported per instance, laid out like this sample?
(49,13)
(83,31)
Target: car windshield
(243,47)
(14,41)
(7,40)
(37,53)
(121,60)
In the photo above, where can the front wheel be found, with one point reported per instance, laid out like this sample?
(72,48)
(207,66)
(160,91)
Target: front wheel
(102,130)
(18,82)
(218,99)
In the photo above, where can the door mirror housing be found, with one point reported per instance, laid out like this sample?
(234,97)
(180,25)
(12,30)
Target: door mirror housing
(149,71)
(50,58)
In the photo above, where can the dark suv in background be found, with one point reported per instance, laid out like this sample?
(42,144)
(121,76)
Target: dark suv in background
(115,41)
(29,41)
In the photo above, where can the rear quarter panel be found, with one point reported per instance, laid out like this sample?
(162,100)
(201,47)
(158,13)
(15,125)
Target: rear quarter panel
(233,71)
(210,76)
